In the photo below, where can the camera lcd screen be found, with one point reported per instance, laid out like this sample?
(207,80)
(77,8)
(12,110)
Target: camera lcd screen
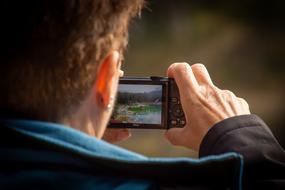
(138,104)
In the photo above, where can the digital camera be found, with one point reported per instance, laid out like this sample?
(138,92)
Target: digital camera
(147,102)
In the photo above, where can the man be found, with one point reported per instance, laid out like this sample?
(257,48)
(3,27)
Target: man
(60,67)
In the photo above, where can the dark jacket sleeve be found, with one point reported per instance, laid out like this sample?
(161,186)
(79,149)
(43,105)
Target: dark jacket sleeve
(264,158)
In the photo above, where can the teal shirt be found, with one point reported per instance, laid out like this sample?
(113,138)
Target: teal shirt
(41,155)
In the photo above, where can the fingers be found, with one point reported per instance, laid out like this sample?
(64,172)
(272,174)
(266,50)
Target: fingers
(201,74)
(184,76)
(116,135)
(190,77)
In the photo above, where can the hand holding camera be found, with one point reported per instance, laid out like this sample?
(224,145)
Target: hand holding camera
(203,104)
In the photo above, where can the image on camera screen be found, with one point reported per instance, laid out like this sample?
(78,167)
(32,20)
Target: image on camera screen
(138,103)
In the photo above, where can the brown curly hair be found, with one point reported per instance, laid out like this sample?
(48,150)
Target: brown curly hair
(53,49)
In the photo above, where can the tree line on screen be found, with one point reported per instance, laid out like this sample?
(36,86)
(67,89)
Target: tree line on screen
(147,97)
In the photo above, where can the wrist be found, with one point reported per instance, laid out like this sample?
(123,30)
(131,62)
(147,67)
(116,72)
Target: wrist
(216,133)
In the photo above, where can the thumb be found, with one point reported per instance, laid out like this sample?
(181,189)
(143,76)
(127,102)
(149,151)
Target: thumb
(116,135)
(175,136)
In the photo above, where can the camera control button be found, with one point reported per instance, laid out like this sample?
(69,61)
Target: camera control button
(174,100)
(173,122)
(182,122)
(177,111)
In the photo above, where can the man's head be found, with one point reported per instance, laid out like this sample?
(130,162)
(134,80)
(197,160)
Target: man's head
(59,57)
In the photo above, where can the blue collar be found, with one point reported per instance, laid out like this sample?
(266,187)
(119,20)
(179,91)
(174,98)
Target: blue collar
(67,137)
(77,141)
(74,141)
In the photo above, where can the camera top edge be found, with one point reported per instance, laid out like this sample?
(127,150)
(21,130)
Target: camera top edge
(149,78)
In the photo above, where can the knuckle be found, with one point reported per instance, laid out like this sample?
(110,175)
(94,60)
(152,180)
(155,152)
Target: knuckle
(180,68)
(229,94)
(173,66)
(179,64)
(243,101)
(199,66)
(217,92)
(226,96)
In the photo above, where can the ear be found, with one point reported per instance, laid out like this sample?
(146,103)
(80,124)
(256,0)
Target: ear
(107,79)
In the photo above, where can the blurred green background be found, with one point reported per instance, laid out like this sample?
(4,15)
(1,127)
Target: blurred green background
(240,42)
